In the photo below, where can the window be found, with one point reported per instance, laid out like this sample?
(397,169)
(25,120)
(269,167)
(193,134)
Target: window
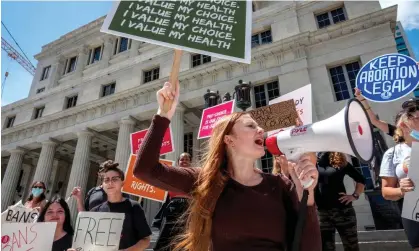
(267,162)
(253,7)
(40,90)
(38,112)
(331,17)
(364,169)
(95,55)
(108,90)
(398,34)
(188,143)
(264,93)
(264,37)
(10,121)
(70,65)
(404,51)
(71,101)
(45,72)
(200,59)
(151,75)
(122,44)
(343,80)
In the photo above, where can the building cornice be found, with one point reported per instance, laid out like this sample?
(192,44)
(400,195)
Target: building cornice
(144,94)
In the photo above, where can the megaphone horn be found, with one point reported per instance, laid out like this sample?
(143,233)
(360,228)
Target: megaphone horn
(349,131)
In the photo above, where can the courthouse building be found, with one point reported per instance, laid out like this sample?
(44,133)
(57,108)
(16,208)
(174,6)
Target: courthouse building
(91,90)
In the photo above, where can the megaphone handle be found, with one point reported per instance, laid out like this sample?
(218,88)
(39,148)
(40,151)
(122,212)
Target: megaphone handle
(294,156)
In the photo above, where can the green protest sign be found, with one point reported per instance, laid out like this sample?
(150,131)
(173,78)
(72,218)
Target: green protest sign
(219,28)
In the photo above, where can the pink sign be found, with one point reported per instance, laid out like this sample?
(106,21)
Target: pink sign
(211,115)
(138,137)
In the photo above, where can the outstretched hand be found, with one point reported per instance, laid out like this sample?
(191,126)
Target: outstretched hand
(168,93)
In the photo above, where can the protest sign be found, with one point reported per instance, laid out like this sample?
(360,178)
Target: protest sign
(275,116)
(302,98)
(387,78)
(211,115)
(411,199)
(96,231)
(219,28)
(137,187)
(137,138)
(27,236)
(19,214)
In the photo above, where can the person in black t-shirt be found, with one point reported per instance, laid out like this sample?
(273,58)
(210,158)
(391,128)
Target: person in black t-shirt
(135,233)
(95,196)
(56,210)
(334,205)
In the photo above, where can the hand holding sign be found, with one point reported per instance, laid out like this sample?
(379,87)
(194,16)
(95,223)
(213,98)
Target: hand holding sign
(167,98)
(174,78)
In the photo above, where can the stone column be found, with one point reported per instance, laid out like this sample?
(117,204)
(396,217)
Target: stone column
(80,168)
(177,125)
(45,163)
(11,177)
(81,60)
(57,69)
(135,45)
(123,147)
(196,146)
(107,51)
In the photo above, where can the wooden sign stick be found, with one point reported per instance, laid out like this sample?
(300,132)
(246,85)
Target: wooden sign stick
(174,78)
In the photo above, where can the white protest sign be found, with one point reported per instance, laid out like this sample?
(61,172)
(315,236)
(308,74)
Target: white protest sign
(302,98)
(411,199)
(98,231)
(27,236)
(19,213)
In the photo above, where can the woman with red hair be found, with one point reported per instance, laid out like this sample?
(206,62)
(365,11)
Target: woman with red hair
(233,206)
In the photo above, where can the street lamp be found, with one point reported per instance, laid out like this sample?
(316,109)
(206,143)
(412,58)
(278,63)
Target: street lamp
(242,91)
(211,98)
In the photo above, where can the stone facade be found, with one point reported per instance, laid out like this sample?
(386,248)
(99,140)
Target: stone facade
(115,81)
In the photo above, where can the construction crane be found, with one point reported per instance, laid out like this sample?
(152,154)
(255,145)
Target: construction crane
(15,55)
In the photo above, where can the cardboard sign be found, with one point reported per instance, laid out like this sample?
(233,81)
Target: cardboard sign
(96,231)
(219,28)
(137,138)
(276,116)
(19,214)
(211,115)
(387,78)
(137,187)
(303,104)
(27,236)
(411,199)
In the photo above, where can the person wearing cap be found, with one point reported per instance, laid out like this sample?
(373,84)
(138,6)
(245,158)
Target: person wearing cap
(396,163)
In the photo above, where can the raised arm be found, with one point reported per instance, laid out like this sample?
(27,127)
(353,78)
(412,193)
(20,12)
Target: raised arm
(147,166)
(383,126)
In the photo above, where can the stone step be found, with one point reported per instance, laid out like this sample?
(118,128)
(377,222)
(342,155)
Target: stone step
(379,246)
(379,235)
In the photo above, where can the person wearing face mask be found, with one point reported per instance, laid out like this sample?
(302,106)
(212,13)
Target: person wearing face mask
(37,199)
(57,210)
(171,214)
(395,164)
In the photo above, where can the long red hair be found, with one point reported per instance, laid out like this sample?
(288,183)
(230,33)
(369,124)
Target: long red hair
(210,184)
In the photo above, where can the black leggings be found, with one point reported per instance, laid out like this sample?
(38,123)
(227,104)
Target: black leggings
(172,224)
(344,221)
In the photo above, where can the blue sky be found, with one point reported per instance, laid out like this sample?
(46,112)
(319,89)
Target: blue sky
(34,24)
